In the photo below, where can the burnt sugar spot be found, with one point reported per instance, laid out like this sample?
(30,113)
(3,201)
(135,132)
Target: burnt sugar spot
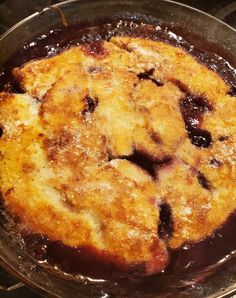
(148,75)
(193,108)
(147,162)
(166,224)
(223,138)
(95,48)
(91,104)
(203,181)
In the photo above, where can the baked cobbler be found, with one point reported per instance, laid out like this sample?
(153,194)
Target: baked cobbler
(126,147)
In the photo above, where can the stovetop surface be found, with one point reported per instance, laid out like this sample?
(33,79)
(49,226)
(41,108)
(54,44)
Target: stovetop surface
(12,11)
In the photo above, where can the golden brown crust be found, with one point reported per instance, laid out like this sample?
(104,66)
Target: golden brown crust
(102,109)
(173,64)
(62,181)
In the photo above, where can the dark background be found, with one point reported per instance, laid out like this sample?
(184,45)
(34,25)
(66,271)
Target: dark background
(12,11)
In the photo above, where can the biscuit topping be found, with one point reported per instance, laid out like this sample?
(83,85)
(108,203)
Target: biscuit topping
(121,150)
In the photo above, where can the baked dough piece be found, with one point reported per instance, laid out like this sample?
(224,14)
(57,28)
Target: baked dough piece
(38,76)
(199,185)
(56,187)
(173,64)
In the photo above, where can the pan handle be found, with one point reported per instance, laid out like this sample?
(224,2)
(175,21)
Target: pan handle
(7,284)
(11,288)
